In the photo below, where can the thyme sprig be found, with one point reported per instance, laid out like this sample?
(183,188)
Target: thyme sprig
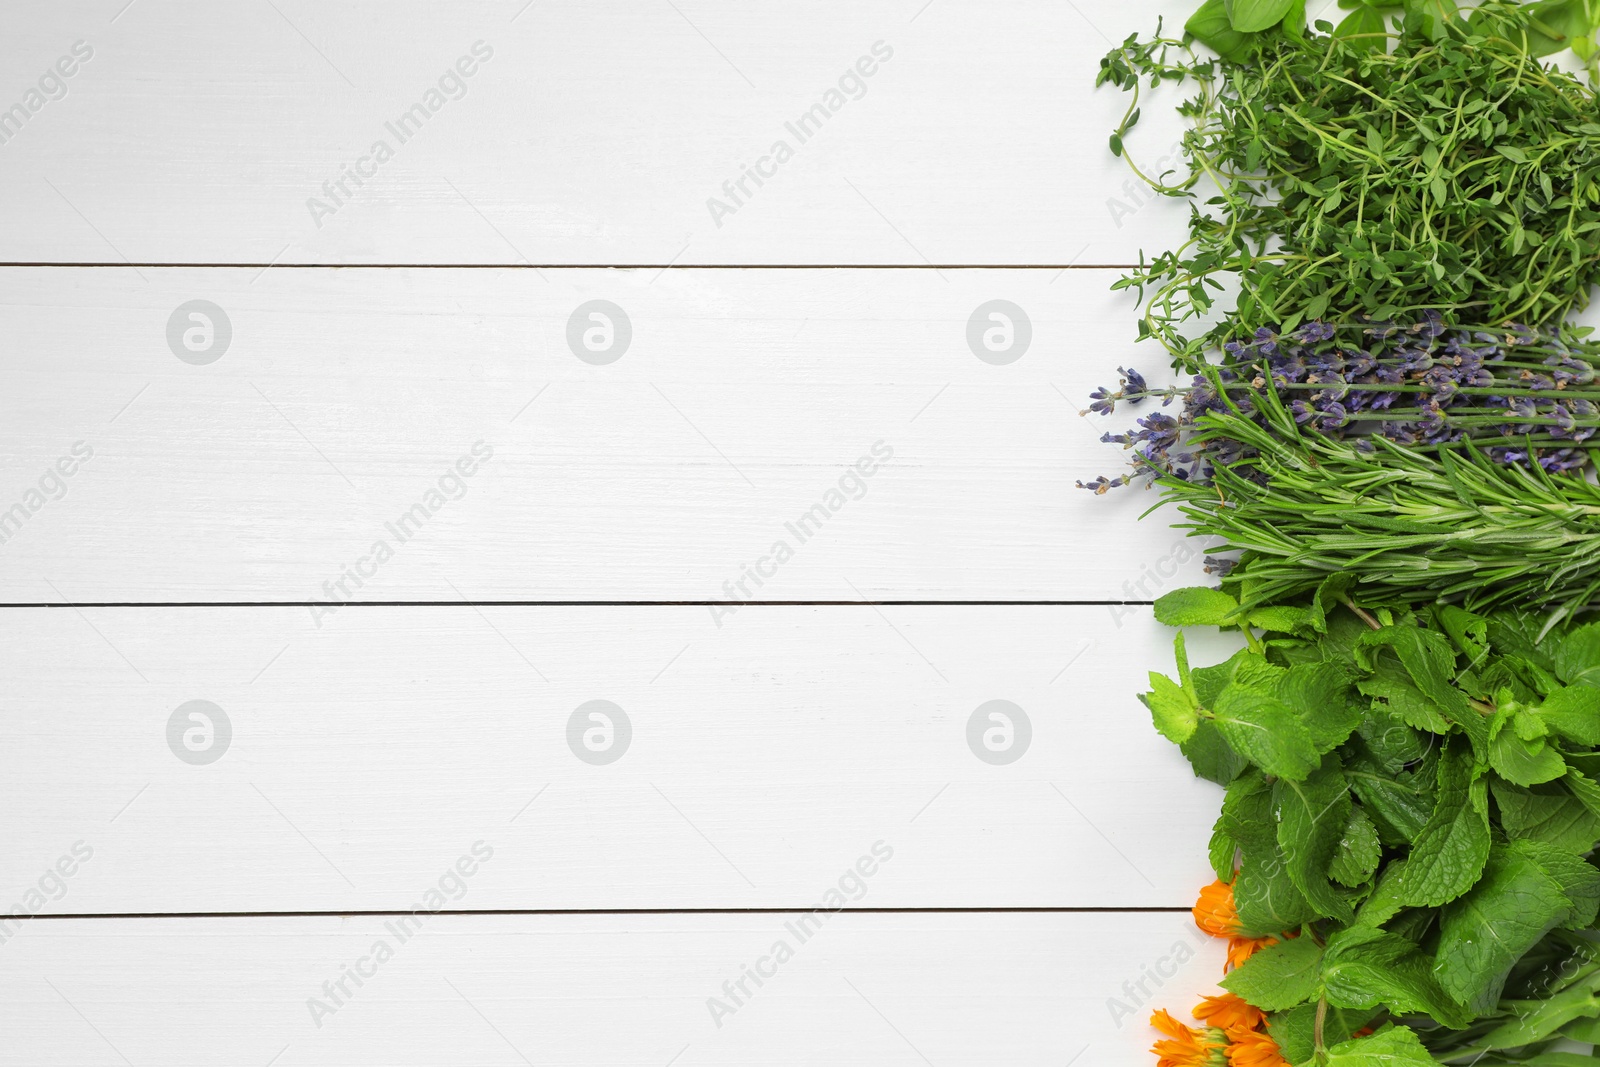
(1453,173)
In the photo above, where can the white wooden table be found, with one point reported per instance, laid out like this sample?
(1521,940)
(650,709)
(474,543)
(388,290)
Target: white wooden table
(340,483)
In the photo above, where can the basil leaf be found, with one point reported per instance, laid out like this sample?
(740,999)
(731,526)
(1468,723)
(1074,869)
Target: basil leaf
(1211,27)
(1251,16)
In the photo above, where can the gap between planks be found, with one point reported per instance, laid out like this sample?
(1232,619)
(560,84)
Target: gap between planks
(583,604)
(578,266)
(1035,910)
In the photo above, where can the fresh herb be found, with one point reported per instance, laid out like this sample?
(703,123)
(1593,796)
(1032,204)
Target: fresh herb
(1405,525)
(1233,28)
(1401,856)
(1452,173)
(1525,396)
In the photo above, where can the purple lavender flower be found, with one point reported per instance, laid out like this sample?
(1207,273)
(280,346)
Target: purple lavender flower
(1563,460)
(1099,486)
(1431,326)
(1332,417)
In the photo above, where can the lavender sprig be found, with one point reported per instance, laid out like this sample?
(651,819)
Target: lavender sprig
(1427,384)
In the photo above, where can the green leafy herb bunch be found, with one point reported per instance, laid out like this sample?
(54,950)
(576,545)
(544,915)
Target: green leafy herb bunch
(1412,800)
(1354,177)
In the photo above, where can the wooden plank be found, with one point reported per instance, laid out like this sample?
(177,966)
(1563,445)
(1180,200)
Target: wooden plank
(735,420)
(946,989)
(359,756)
(586,133)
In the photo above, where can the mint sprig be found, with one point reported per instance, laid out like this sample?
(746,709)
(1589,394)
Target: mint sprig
(1392,817)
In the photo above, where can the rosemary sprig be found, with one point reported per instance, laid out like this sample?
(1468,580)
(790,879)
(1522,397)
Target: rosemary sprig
(1407,526)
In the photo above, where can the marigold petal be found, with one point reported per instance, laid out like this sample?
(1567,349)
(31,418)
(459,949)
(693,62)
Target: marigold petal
(1242,948)
(1185,1046)
(1229,1012)
(1162,1020)
(1250,1048)
(1214,911)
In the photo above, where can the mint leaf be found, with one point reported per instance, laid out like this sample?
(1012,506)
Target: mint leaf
(1576,658)
(1525,762)
(1356,857)
(1367,968)
(1279,976)
(1577,877)
(1550,815)
(1485,932)
(1320,693)
(1294,1030)
(1574,713)
(1246,815)
(1467,631)
(1173,710)
(1401,803)
(1395,1047)
(1584,789)
(1390,683)
(1448,855)
(1265,731)
(1250,667)
(1267,900)
(1197,606)
(1180,653)
(1211,757)
(1384,903)
(1311,820)
(1283,620)
(1516,633)
(1390,740)
(1426,656)
(1429,662)
(1326,599)
(1222,854)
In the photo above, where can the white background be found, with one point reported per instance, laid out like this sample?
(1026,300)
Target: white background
(1031,913)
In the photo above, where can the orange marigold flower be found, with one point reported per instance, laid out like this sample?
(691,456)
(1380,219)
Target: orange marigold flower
(1228,1012)
(1242,948)
(1215,913)
(1252,1049)
(1185,1046)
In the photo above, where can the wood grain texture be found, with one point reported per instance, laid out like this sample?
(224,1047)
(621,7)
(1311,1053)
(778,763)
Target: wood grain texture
(731,422)
(419,756)
(763,757)
(951,990)
(593,133)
